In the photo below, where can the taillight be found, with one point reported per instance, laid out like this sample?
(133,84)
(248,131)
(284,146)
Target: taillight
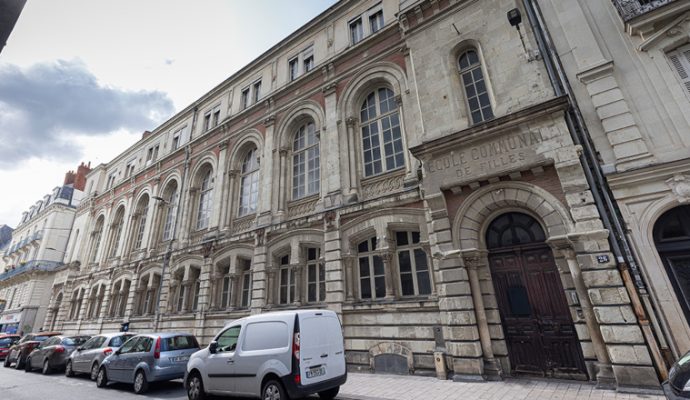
(296,353)
(107,351)
(59,349)
(157,349)
(295,345)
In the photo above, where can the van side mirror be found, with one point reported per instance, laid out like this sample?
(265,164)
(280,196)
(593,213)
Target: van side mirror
(213,347)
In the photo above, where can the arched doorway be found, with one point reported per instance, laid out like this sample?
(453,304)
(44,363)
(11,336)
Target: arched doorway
(672,240)
(536,320)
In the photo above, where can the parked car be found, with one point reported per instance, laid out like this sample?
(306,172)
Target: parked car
(53,353)
(7,341)
(678,384)
(147,358)
(18,353)
(87,358)
(275,356)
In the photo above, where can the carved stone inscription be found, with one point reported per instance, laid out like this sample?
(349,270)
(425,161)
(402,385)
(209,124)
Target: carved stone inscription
(486,158)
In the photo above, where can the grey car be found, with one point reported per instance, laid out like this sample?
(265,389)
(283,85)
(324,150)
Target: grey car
(53,353)
(87,358)
(148,358)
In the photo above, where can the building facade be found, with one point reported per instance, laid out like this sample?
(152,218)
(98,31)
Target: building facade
(407,164)
(35,252)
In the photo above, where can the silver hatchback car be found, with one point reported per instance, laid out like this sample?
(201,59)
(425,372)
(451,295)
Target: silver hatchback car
(148,358)
(87,358)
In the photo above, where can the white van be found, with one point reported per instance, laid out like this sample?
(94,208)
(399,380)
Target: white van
(273,356)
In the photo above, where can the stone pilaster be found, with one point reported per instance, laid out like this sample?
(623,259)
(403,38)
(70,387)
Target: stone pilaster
(333,256)
(259,265)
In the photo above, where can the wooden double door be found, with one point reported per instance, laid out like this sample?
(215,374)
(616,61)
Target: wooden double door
(536,318)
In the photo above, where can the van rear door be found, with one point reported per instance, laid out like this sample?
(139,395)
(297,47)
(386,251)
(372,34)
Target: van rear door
(321,347)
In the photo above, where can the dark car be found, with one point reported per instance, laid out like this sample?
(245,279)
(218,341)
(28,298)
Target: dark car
(7,341)
(152,357)
(53,353)
(18,353)
(678,384)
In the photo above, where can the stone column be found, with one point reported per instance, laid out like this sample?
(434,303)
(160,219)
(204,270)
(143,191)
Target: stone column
(266,168)
(298,300)
(455,302)
(259,265)
(332,254)
(349,264)
(271,289)
(475,259)
(232,195)
(330,149)
(387,258)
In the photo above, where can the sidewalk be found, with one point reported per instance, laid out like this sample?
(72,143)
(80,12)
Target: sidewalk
(393,387)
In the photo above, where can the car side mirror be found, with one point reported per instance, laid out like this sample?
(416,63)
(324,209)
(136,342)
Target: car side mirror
(213,347)
(233,347)
(80,348)
(117,352)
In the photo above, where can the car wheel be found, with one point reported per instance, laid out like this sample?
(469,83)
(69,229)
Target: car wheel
(94,371)
(46,368)
(141,385)
(195,387)
(101,378)
(330,393)
(7,362)
(27,365)
(69,372)
(273,390)
(20,364)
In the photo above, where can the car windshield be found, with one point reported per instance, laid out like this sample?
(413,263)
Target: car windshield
(40,338)
(5,342)
(180,343)
(75,340)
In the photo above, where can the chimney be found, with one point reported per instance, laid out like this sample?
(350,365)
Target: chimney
(69,178)
(80,178)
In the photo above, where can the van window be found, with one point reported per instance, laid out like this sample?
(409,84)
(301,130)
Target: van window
(266,335)
(228,339)
(180,343)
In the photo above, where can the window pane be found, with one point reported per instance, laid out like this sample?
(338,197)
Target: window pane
(404,261)
(378,266)
(380,287)
(401,238)
(364,266)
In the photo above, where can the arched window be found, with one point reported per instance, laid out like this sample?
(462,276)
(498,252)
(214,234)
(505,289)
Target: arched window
(97,234)
(382,144)
(413,264)
(306,169)
(672,240)
(95,301)
(141,214)
(171,214)
(118,298)
(249,183)
(116,231)
(205,201)
(475,86)
(513,229)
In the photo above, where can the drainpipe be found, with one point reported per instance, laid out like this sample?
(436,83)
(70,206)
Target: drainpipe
(606,206)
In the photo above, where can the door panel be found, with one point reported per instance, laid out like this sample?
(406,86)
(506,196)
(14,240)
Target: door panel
(536,318)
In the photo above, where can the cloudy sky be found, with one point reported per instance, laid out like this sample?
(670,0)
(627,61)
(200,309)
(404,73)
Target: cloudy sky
(80,80)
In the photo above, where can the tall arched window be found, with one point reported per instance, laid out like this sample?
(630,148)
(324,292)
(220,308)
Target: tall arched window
(306,169)
(382,144)
(97,234)
(172,197)
(372,276)
(142,211)
(249,183)
(116,231)
(475,86)
(672,240)
(205,201)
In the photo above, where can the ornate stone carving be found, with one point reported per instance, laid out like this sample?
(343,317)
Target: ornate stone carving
(302,208)
(382,186)
(242,224)
(680,186)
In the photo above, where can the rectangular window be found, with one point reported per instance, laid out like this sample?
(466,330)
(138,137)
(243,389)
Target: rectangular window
(293,68)
(195,295)
(152,154)
(207,121)
(245,266)
(308,63)
(680,61)
(225,294)
(244,98)
(413,265)
(356,31)
(376,21)
(316,276)
(212,118)
(257,91)
(287,281)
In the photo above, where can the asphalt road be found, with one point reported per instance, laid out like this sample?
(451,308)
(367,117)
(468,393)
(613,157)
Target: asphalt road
(19,385)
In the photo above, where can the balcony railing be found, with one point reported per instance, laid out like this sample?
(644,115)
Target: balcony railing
(33,265)
(629,9)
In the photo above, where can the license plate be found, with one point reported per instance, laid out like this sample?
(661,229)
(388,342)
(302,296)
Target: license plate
(179,359)
(316,371)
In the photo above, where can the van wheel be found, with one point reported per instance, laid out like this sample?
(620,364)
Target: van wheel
(101,378)
(330,393)
(69,372)
(195,387)
(273,390)
(141,385)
